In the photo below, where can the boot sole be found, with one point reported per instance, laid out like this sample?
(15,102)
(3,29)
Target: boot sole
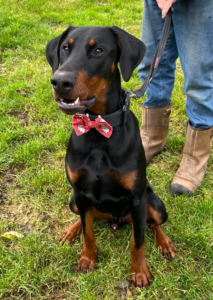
(178,190)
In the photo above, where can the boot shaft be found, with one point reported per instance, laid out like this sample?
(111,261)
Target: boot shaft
(198,145)
(193,165)
(154,129)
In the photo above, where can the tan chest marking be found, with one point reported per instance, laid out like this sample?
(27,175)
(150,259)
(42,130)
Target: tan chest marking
(74,175)
(126,180)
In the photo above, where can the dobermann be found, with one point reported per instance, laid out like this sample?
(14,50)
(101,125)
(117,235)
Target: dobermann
(105,161)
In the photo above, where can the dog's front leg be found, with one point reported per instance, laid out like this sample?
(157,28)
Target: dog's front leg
(89,252)
(141,276)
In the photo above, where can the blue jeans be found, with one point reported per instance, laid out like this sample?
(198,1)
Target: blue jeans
(190,39)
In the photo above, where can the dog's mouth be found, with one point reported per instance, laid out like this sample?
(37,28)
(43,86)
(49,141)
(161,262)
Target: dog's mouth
(72,107)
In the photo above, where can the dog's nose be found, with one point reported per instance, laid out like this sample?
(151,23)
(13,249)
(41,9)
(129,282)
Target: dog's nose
(62,82)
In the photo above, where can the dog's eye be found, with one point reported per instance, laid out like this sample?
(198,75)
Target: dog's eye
(98,51)
(65,49)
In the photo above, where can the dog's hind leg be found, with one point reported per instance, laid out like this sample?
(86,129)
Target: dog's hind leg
(71,233)
(157,215)
(75,229)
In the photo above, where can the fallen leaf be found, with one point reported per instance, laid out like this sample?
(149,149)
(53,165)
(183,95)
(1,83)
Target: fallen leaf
(12,235)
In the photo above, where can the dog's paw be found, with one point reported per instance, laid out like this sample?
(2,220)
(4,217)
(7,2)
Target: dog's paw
(142,279)
(70,234)
(86,263)
(167,248)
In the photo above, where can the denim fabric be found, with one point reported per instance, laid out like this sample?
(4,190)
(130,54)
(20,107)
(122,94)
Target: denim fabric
(190,39)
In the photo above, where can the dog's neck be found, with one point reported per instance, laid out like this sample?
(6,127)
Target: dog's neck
(110,100)
(114,96)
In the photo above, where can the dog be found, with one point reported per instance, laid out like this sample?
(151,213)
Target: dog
(105,162)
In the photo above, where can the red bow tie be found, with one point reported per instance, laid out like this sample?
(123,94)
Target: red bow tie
(82,124)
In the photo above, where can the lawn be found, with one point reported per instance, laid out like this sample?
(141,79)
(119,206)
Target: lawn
(34,191)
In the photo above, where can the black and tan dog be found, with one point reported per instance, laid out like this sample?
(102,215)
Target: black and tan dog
(105,161)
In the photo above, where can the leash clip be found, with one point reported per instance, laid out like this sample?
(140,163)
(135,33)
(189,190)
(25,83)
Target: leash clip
(133,94)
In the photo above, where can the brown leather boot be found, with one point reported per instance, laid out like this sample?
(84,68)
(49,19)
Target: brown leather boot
(154,129)
(194,162)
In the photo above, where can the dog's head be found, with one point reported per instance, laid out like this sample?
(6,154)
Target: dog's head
(84,63)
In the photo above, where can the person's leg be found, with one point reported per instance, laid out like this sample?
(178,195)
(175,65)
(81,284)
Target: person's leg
(193,27)
(192,23)
(156,108)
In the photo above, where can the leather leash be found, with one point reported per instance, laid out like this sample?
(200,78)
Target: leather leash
(156,58)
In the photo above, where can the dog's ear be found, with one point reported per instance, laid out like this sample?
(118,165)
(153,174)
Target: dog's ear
(52,49)
(132,51)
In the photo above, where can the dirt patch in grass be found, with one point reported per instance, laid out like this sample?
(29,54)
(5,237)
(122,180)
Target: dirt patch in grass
(23,117)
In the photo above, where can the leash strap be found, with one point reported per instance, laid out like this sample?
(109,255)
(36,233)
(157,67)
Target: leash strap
(156,59)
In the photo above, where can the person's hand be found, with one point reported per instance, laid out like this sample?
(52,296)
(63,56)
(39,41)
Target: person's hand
(165,5)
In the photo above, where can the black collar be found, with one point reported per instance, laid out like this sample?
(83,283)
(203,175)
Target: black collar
(118,117)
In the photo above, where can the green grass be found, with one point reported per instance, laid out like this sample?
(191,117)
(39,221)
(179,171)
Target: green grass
(34,192)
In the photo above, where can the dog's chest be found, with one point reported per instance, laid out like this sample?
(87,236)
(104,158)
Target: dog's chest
(100,180)
(98,162)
